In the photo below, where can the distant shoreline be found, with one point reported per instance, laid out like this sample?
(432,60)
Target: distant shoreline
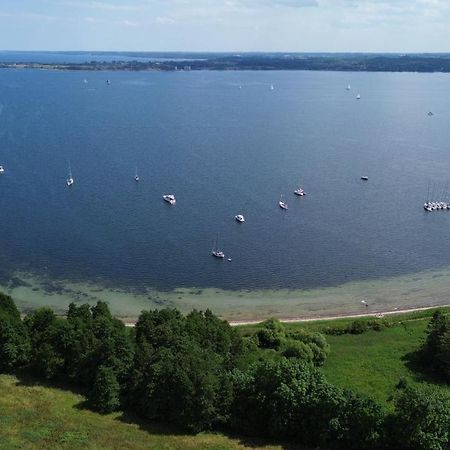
(413,63)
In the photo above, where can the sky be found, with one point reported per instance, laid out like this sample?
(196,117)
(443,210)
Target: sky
(226,25)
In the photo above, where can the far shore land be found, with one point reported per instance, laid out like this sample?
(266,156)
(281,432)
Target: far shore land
(405,293)
(424,63)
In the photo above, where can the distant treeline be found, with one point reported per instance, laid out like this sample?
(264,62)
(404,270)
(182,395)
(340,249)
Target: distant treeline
(199,373)
(262,61)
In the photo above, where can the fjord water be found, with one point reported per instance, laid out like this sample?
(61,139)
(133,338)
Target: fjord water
(222,151)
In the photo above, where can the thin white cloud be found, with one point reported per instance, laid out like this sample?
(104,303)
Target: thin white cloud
(105,6)
(165,20)
(29,16)
(130,23)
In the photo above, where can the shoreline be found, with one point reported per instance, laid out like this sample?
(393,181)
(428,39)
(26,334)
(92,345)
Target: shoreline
(318,318)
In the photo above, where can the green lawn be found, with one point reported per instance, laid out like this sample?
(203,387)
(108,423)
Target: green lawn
(36,417)
(371,363)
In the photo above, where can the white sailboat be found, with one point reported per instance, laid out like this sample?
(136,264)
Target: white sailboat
(272,87)
(283,205)
(69,180)
(2,170)
(215,250)
(348,87)
(358,97)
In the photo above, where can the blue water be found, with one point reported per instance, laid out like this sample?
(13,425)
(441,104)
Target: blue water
(222,151)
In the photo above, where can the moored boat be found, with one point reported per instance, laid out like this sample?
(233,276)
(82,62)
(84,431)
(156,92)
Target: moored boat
(300,192)
(69,180)
(282,204)
(215,250)
(170,198)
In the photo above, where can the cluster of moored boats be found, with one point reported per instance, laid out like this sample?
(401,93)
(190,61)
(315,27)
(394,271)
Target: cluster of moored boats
(436,206)
(439,191)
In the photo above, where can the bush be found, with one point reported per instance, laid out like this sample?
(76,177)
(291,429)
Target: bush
(316,343)
(271,335)
(357,327)
(300,350)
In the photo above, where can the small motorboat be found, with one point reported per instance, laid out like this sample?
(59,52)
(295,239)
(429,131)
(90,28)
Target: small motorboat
(229,259)
(136,177)
(300,192)
(215,250)
(358,97)
(365,178)
(348,87)
(108,82)
(240,218)
(2,170)
(170,198)
(430,113)
(282,205)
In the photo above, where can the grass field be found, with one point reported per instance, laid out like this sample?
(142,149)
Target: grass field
(36,417)
(372,363)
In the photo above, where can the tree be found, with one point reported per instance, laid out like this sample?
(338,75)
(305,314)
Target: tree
(46,331)
(180,368)
(421,420)
(14,340)
(94,338)
(437,327)
(435,353)
(185,386)
(359,424)
(284,399)
(105,393)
